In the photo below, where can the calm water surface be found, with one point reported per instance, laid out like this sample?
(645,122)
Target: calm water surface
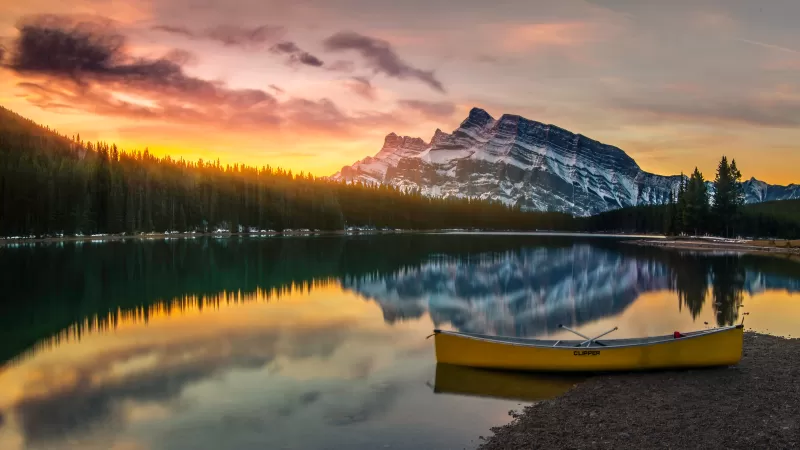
(319,343)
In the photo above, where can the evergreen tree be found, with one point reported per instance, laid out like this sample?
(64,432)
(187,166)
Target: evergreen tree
(737,193)
(680,207)
(696,205)
(722,204)
(728,196)
(669,216)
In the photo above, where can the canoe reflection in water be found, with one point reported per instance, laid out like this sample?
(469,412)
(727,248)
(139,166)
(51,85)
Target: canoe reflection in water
(507,385)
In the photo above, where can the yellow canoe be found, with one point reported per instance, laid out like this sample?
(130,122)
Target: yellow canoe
(706,348)
(501,384)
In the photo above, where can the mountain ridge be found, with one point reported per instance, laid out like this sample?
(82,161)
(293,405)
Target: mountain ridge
(518,161)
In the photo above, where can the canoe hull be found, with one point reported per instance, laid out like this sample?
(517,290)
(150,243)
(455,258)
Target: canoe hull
(718,348)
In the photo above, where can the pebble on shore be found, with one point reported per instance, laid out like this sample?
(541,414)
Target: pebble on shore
(755,404)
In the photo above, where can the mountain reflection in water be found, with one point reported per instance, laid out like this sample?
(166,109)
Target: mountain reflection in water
(510,285)
(318,343)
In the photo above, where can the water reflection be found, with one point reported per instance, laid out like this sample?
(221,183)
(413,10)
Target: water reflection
(529,292)
(512,285)
(527,387)
(292,363)
(309,343)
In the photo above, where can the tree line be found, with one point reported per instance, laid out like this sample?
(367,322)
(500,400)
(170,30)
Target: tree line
(700,207)
(56,184)
(51,184)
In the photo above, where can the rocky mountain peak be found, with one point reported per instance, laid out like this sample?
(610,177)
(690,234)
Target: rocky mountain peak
(439,137)
(394,142)
(518,161)
(478,118)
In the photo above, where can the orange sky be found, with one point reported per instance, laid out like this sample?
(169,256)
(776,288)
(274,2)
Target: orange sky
(674,86)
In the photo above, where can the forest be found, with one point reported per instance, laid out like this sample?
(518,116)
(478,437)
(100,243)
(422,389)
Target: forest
(53,185)
(56,185)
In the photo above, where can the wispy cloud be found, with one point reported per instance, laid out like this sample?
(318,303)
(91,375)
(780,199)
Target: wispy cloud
(770,46)
(429,110)
(380,57)
(229,35)
(296,54)
(528,36)
(754,109)
(362,87)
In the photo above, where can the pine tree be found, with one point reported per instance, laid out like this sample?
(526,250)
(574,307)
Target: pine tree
(737,193)
(722,196)
(696,212)
(728,196)
(680,207)
(669,215)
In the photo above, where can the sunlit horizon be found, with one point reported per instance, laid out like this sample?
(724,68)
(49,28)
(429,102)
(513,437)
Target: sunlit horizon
(317,86)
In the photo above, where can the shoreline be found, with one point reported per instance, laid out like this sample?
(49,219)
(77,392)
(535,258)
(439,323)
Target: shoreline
(152,236)
(704,245)
(17,241)
(750,405)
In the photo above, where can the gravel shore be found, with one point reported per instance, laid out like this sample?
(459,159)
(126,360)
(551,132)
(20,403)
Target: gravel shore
(714,246)
(755,404)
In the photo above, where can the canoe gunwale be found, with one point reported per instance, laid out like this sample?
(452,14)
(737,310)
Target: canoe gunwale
(545,344)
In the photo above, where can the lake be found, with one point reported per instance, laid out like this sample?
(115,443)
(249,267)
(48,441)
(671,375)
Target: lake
(320,342)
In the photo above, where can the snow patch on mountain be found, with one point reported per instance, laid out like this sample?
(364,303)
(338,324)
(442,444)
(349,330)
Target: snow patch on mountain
(522,162)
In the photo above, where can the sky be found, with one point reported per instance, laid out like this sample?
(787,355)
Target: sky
(312,85)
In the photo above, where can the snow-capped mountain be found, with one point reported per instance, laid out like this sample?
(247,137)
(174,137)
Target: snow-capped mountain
(519,161)
(757,191)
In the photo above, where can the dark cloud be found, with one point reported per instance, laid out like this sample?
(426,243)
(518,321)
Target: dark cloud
(296,54)
(229,35)
(276,89)
(182,31)
(381,57)
(342,66)
(309,60)
(87,53)
(66,63)
(233,35)
(430,110)
(362,87)
(285,47)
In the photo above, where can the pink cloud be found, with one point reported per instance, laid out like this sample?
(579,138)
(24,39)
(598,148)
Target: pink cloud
(525,37)
(362,87)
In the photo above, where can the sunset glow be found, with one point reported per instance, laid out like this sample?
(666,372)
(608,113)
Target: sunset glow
(312,86)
